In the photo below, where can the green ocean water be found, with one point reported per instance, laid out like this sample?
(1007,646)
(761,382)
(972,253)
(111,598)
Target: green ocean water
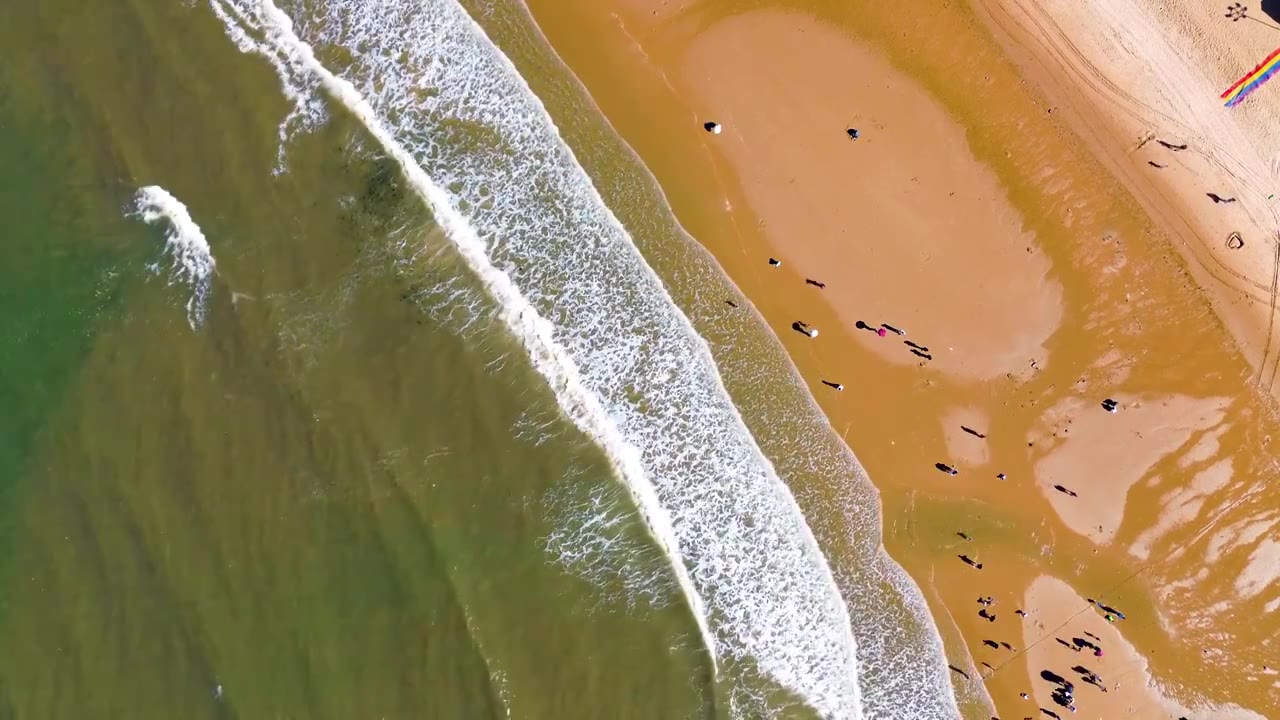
(332,498)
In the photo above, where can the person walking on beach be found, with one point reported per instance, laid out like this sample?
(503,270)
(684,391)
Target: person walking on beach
(815,283)
(804,329)
(775,262)
(830,384)
(946,468)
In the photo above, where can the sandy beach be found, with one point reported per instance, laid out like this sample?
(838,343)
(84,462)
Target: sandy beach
(1003,213)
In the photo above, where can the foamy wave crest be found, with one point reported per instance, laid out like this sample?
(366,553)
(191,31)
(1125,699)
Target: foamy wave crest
(592,540)
(192,261)
(624,362)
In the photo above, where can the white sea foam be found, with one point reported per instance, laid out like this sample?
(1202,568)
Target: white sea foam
(623,361)
(192,261)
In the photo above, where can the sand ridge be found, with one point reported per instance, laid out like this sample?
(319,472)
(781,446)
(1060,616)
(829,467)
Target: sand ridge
(849,203)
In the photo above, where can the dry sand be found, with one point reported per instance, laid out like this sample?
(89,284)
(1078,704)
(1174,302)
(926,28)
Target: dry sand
(1022,340)
(1139,71)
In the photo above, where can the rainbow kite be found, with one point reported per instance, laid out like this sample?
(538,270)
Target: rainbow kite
(1253,79)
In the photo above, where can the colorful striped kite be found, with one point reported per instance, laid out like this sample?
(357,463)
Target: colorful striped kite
(1253,79)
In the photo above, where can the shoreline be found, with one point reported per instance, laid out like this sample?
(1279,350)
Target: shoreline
(1102,344)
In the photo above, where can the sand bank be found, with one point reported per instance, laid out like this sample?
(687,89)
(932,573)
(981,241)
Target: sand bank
(838,204)
(1050,636)
(1099,307)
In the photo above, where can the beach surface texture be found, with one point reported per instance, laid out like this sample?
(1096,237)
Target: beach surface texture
(1030,219)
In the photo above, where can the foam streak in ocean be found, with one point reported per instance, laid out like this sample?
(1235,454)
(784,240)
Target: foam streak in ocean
(184,242)
(623,361)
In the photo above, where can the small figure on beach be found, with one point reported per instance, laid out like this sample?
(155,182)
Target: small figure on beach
(971,431)
(964,536)
(804,329)
(1110,405)
(1156,165)
(881,332)
(1001,476)
(731,303)
(811,281)
(991,644)
(1216,198)
(970,562)
(712,127)
(1020,612)
(919,354)
(946,468)
(853,133)
(986,600)
(983,612)
(1062,489)
(830,384)
(863,326)
(1171,146)
(775,262)
(893,329)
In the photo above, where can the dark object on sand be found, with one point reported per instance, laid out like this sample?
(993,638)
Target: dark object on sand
(917,353)
(991,644)
(811,281)
(946,468)
(1052,677)
(1171,146)
(983,612)
(1234,241)
(1156,165)
(1110,405)
(804,329)
(893,329)
(971,563)
(853,133)
(955,669)
(910,344)
(730,303)
(711,127)
(1216,198)
(971,431)
(964,536)
(775,262)
(1062,489)
(830,384)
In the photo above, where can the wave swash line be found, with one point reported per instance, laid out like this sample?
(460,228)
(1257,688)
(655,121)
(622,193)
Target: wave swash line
(737,542)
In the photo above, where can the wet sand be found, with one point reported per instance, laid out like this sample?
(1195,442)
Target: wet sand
(1043,290)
